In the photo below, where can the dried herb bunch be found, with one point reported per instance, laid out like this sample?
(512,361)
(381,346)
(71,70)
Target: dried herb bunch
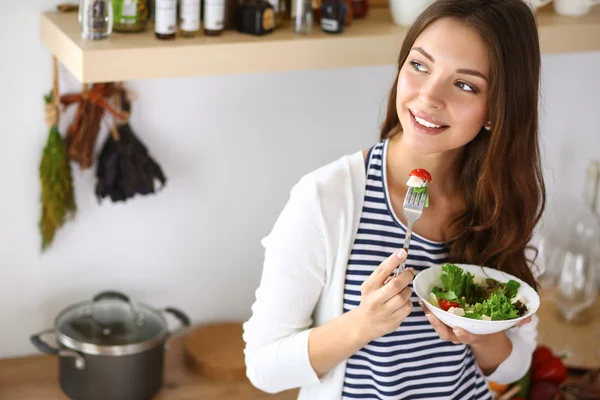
(57,195)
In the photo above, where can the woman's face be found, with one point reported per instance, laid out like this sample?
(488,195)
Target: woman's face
(442,90)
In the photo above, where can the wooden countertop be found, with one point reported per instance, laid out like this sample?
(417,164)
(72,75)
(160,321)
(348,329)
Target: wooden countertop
(36,378)
(578,343)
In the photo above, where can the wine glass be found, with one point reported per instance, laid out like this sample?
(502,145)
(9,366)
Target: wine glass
(577,265)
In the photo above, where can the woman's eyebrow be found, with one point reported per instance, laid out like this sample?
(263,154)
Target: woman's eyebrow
(472,72)
(465,71)
(426,54)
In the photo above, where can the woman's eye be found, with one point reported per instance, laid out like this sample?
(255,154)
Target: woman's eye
(466,87)
(418,66)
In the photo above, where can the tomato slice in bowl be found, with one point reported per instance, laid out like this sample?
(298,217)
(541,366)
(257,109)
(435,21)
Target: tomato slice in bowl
(447,304)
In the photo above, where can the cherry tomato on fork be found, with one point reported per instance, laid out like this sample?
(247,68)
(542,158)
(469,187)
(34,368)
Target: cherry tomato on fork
(421,173)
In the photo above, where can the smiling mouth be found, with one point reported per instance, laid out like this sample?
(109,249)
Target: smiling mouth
(425,126)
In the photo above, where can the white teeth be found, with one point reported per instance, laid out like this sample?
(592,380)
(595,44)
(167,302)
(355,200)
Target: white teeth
(427,124)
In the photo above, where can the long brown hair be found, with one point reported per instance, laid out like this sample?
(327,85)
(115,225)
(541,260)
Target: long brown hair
(501,177)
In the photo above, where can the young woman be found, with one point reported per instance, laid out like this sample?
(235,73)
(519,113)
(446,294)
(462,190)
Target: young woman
(327,316)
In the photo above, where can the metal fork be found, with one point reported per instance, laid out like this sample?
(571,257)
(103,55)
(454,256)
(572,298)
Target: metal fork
(413,210)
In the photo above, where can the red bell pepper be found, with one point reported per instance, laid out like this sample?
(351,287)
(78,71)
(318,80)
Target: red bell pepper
(550,370)
(541,354)
(546,366)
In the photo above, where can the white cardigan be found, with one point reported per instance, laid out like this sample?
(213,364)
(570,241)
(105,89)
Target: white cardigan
(302,286)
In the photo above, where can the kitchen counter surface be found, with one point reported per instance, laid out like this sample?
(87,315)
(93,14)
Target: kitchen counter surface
(36,378)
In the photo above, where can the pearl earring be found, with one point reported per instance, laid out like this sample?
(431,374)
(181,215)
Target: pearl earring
(488,127)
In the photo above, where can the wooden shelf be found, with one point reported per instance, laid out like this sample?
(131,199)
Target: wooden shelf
(372,41)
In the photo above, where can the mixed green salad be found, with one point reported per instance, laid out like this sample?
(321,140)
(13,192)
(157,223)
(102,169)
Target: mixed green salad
(461,293)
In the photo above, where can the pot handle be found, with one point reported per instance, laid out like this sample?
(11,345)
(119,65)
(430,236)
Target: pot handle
(181,316)
(111,295)
(45,348)
(42,346)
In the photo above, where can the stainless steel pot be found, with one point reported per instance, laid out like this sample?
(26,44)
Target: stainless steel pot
(110,348)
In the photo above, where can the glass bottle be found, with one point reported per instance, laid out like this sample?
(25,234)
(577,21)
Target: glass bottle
(333,16)
(231,11)
(316,8)
(349,13)
(360,8)
(165,23)
(578,262)
(303,17)
(189,15)
(256,17)
(214,17)
(96,19)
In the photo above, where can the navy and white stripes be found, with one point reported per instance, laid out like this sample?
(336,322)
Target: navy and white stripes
(412,362)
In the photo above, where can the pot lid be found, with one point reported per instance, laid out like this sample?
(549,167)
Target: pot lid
(109,319)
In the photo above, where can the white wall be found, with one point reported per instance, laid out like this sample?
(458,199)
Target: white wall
(231,147)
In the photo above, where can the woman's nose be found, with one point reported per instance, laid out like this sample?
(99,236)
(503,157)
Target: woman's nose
(432,96)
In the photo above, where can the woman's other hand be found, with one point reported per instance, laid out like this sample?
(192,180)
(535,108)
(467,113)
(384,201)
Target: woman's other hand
(459,335)
(489,350)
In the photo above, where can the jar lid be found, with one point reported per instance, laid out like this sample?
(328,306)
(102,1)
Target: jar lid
(110,324)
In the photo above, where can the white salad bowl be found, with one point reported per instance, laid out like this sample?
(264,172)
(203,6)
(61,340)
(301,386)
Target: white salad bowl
(427,279)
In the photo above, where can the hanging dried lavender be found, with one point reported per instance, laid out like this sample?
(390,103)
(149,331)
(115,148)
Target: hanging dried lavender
(124,167)
(57,196)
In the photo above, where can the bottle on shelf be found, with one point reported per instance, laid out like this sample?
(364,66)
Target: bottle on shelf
(231,13)
(302,16)
(95,19)
(165,21)
(360,8)
(333,16)
(214,17)
(256,17)
(349,13)
(316,8)
(189,17)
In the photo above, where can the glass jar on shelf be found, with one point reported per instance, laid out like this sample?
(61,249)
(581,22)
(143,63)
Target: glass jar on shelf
(130,15)
(95,19)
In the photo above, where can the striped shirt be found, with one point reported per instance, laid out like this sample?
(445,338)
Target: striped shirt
(411,362)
